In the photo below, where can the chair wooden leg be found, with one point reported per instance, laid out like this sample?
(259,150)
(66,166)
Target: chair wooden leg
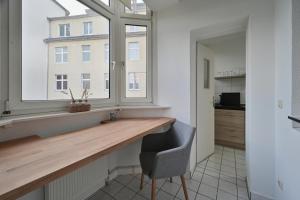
(142,181)
(171,180)
(153,195)
(184,187)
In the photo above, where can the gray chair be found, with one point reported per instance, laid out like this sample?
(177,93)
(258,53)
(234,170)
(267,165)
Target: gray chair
(165,155)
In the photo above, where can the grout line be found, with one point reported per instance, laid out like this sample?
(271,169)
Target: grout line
(236,177)
(220,173)
(201,180)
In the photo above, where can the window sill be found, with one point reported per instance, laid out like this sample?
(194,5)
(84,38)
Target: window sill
(9,121)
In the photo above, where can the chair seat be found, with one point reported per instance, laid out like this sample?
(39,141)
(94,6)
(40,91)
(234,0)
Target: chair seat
(147,159)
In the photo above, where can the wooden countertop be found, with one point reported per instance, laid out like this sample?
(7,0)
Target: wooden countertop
(29,163)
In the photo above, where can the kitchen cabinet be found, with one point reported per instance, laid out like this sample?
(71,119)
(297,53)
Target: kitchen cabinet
(230,128)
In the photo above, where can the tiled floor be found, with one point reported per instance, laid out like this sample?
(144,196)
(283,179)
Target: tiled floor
(220,177)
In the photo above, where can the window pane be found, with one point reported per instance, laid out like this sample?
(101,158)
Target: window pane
(136,62)
(137,7)
(52,62)
(58,85)
(87,28)
(106,53)
(86,53)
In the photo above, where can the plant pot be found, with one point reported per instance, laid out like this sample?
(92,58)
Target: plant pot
(79,107)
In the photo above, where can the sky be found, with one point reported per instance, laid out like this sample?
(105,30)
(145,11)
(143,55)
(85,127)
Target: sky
(73,6)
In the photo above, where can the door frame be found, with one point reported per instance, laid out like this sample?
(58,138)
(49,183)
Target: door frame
(204,33)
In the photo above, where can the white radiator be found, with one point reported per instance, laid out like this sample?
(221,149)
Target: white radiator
(79,184)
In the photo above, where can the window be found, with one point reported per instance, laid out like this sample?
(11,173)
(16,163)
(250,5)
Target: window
(71,52)
(112,37)
(61,82)
(133,51)
(133,81)
(86,53)
(86,81)
(106,53)
(87,28)
(61,55)
(133,29)
(106,83)
(137,7)
(136,62)
(64,30)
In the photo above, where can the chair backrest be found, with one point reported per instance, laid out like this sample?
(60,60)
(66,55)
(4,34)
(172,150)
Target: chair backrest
(182,135)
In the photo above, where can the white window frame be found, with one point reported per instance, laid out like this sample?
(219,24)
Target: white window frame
(89,27)
(83,79)
(66,28)
(62,54)
(117,54)
(16,105)
(135,16)
(149,93)
(137,53)
(84,51)
(62,80)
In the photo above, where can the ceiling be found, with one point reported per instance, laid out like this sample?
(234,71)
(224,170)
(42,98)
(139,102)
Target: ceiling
(213,41)
(160,4)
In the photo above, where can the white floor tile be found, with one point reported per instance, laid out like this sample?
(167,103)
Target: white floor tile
(208,191)
(180,194)
(225,196)
(210,180)
(228,187)
(171,188)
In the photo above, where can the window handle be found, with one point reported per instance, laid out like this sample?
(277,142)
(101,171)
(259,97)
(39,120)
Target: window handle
(113,65)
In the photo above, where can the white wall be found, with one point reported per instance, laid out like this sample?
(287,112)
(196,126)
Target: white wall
(174,26)
(287,138)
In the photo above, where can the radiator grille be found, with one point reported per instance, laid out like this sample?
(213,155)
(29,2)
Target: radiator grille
(79,184)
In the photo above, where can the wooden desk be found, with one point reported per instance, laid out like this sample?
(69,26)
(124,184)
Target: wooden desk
(30,163)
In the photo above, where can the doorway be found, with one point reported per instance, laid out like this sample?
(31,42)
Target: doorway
(221,82)
(203,99)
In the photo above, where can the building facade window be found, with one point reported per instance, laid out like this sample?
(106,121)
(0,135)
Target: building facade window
(133,51)
(106,81)
(64,30)
(61,82)
(87,28)
(86,81)
(86,53)
(61,55)
(133,81)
